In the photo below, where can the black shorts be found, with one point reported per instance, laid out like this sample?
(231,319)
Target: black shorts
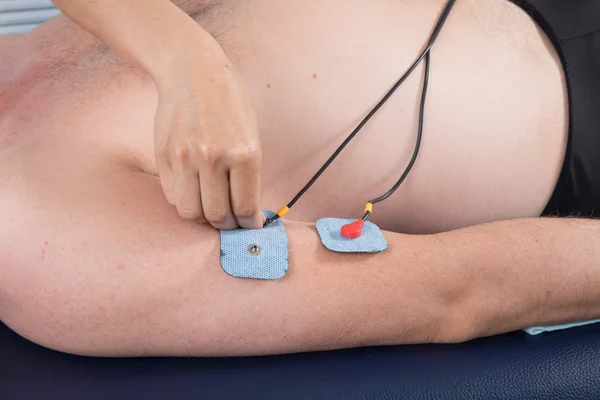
(573,26)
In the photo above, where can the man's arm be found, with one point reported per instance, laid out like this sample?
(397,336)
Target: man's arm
(116,275)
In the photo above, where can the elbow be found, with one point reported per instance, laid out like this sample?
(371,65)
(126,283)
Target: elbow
(459,294)
(460,326)
(479,315)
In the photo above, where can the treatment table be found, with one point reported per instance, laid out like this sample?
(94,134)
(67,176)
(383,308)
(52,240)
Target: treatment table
(557,365)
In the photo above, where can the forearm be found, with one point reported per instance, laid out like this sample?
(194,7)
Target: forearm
(526,272)
(147,33)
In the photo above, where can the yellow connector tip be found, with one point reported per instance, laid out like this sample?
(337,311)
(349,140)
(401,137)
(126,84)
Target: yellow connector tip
(283,211)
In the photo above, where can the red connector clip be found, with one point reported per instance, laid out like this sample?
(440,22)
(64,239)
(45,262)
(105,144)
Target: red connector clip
(353,230)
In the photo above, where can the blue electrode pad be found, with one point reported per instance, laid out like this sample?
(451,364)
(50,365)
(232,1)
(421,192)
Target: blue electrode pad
(370,241)
(256,254)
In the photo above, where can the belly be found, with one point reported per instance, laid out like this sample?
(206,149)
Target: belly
(495,125)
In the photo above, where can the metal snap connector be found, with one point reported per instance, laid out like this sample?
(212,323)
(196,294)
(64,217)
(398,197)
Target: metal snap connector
(254,249)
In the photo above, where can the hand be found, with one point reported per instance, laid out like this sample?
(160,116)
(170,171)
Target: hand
(208,147)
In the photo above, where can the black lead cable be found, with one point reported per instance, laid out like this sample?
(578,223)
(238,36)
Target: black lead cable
(424,55)
(413,159)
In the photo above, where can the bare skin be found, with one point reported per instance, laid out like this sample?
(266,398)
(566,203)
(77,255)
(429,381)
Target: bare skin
(94,260)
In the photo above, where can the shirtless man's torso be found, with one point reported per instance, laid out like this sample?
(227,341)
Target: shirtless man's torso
(496,118)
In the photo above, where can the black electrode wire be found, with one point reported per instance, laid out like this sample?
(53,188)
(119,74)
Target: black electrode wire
(436,31)
(417,145)
(419,136)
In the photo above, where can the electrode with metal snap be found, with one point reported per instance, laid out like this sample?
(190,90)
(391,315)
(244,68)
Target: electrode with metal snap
(256,253)
(254,249)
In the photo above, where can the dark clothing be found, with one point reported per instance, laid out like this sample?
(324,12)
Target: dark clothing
(573,26)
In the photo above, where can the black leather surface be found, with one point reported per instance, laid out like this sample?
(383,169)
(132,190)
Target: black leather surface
(561,365)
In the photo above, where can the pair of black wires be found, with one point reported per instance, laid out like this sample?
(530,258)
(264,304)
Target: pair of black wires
(425,55)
